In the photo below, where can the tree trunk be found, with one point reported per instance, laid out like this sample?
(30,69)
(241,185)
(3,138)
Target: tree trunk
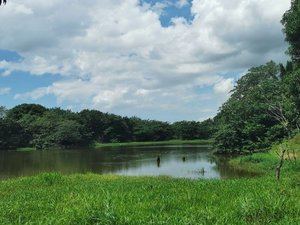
(278,168)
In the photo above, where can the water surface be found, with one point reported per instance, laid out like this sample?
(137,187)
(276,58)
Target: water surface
(196,162)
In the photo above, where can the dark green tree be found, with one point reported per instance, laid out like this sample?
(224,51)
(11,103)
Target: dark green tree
(96,122)
(244,120)
(291,23)
(11,135)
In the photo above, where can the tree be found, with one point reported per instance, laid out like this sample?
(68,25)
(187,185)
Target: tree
(18,112)
(95,121)
(186,130)
(151,130)
(11,135)
(58,128)
(118,130)
(244,121)
(291,23)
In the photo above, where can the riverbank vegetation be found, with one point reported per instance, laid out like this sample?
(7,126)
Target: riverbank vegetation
(95,199)
(156,143)
(30,125)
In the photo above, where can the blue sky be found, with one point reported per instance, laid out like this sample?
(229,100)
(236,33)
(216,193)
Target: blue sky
(171,10)
(157,59)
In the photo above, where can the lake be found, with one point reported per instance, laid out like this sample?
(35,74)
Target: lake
(182,161)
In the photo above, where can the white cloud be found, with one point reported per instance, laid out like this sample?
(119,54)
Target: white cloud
(181,3)
(224,86)
(4,90)
(115,53)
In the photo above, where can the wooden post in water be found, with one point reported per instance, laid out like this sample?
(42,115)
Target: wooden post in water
(158,161)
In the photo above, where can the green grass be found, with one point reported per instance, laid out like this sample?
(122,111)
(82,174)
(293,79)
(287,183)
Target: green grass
(266,163)
(28,149)
(153,143)
(137,144)
(95,199)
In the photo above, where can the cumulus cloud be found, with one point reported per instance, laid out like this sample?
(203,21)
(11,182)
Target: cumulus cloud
(115,53)
(4,90)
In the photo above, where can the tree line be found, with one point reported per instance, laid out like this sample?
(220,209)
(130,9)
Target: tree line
(32,125)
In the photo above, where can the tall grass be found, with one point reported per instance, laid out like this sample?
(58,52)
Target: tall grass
(95,199)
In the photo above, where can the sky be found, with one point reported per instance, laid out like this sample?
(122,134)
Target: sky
(168,60)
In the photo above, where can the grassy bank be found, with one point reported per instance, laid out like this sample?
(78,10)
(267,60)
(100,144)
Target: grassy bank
(28,149)
(266,163)
(137,144)
(153,143)
(96,199)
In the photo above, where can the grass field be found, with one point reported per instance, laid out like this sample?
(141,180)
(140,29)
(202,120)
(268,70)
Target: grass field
(96,199)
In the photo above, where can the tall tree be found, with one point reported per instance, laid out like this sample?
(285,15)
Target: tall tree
(291,23)
(244,122)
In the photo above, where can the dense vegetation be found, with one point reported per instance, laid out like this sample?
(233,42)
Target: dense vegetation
(265,104)
(96,199)
(36,126)
(263,109)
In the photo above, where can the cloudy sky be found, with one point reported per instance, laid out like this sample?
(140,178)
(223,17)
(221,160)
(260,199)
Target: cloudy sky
(157,59)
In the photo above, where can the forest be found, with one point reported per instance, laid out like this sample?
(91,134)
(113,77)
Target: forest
(31,125)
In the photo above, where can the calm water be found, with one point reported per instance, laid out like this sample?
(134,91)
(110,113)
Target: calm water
(130,161)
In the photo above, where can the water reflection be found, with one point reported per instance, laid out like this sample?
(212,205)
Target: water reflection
(177,161)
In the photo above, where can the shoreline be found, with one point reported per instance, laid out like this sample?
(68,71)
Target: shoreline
(154,143)
(98,145)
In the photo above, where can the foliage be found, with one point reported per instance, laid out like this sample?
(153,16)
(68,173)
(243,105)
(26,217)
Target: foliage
(152,130)
(291,23)
(263,108)
(243,120)
(56,128)
(265,104)
(190,130)
(265,162)
(11,134)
